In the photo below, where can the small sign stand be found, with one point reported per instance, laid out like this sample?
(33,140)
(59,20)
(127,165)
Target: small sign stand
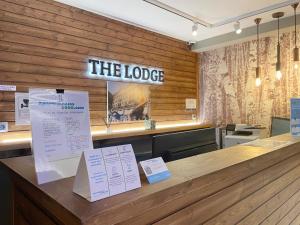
(155,170)
(106,172)
(60,131)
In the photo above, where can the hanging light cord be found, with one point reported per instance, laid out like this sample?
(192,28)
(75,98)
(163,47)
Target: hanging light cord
(295,27)
(257,47)
(278,29)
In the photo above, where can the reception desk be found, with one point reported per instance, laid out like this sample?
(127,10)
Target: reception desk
(201,139)
(22,139)
(238,185)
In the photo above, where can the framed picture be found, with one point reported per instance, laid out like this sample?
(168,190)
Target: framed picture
(127,102)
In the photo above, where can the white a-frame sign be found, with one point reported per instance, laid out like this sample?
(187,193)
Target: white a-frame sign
(106,172)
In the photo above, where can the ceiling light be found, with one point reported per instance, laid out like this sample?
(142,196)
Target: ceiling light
(258,79)
(296,49)
(195,29)
(237,27)
(278,63)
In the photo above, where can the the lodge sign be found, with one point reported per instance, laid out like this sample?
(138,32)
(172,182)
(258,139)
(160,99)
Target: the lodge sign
(116,71)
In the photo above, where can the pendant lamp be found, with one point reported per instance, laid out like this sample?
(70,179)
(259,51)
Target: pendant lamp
(258,79)
(296,49)
(277,16)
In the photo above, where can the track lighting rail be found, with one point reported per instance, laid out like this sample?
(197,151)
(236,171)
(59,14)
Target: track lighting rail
(221,23)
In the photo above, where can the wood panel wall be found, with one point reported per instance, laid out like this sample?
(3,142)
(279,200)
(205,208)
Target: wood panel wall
(44,43)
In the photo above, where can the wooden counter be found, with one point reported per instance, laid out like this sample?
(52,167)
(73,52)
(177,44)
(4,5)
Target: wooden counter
(238,185)
(22,139)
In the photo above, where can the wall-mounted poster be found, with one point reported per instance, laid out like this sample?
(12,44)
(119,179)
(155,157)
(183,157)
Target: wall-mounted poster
(3,127)
(22,116)
(127,102)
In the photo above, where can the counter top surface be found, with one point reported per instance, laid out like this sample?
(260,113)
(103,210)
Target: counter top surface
(187,175)
(22,139)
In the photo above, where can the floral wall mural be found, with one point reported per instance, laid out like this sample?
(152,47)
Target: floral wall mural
(228,91)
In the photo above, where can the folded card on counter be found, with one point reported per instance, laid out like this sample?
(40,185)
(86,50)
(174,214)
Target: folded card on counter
(106,172)
(155,170)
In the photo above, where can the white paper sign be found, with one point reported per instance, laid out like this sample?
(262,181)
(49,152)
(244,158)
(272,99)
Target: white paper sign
(155,170)
(60,132)
(106,172)
(3,127)
(268,143)
(8,88)
(22,116)
(190,103)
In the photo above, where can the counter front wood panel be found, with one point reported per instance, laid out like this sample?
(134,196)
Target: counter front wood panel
(239,185)
(45,44)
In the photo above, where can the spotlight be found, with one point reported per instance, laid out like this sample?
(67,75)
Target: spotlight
(237,27)
(195,29)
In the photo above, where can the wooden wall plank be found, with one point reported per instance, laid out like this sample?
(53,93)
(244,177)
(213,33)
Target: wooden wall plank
(7,106)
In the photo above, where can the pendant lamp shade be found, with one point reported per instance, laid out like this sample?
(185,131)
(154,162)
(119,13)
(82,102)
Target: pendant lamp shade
(296,49)
(258,70)
(278,74)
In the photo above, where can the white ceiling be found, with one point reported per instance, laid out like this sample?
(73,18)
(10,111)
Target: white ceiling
(145,15)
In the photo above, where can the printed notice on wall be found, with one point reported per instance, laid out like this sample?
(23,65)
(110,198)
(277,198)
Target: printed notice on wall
(106,172)
(190,103)
(8,87)
(3,127)
(22,116)
(60,131)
